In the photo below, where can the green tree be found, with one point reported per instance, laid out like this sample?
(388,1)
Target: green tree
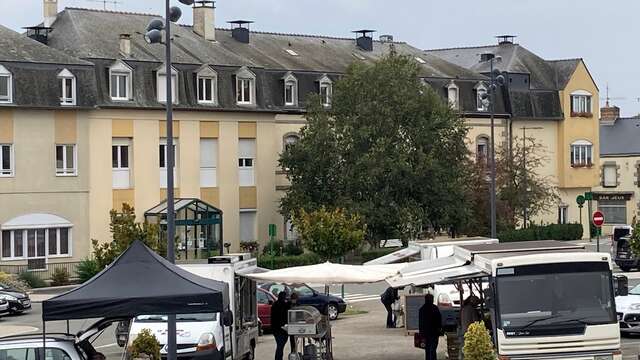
(634,239)
(124,231)
(329,233)
(477,343)
(388,149)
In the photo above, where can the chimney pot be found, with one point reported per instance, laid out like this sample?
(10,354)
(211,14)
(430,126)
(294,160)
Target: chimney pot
(609,113)
(204,23)
(125,44)
(50,12)
(240,33)
(365,40)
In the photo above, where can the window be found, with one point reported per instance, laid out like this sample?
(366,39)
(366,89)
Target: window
(580,103)
(289,140)
(452,95)
(246,161)
(482,149)
(208,162)
(291,52)
(21,354)
(581,154)
(120,81)
(614,211)
(263,298)
(66,160)
(207,86)
(6,160)
(120,155)
(36,243)
(563,214)
(163,162)
(610,175)
(290,90)
(6,85)
(161,81)
(68,90)
(247,226)
(326,90)
(245,87)
(482,103)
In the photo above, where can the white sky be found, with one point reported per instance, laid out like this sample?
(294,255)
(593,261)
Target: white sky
(601,32)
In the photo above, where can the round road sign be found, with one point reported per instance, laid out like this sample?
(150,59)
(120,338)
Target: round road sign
(580,199)
(598,218)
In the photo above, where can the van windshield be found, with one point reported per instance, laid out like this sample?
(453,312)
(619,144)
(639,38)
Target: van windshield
(554,294)
(179,317)
(635,290)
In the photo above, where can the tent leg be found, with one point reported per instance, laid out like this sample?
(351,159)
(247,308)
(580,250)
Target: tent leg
(68,332)
(44,339)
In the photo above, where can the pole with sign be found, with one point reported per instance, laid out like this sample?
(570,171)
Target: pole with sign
(598,220)
(580,200)
(589,197)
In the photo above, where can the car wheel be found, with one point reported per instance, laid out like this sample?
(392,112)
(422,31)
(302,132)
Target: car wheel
(625,268)
(332,311)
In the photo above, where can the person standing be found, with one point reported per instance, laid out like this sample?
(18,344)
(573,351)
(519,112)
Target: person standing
(279,313)
(387,298)
(469,312)
(430,326)
(293,302)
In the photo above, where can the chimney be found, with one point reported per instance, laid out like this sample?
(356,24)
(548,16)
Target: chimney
(386,39)
(125,44)
(505,39)
(50,11)
(609,113)
(241,30)
(486,56)
(204,22)
(365,40)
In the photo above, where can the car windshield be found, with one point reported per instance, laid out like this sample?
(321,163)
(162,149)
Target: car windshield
(302,290)
(179,317)
(539,297)
(635,290)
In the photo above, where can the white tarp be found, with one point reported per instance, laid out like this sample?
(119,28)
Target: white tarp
(395,256)
(433,274)
(330,274)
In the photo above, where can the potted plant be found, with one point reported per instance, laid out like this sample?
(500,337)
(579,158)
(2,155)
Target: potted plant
(145,346)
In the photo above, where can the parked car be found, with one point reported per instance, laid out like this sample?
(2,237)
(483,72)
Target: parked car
(621,249)
(4,307)
(327,304)
(19,301)
(628,311)
(265,299)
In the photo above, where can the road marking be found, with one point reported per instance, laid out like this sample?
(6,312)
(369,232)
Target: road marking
(355,298)
(25,330)
(106,346)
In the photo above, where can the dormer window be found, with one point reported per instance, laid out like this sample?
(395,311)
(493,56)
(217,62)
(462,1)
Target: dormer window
(290,90)
(452,95)
(581,104)
(6,85)
(161,81)
(482,103)
(68,89)
(245,87)
(120,82)
(207,86)
(326,90)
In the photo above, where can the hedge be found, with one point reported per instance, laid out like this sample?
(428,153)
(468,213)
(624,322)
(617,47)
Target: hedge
(562,232)
(376,253)
(280,262)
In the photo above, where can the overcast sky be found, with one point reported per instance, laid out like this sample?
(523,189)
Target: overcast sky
(603,33)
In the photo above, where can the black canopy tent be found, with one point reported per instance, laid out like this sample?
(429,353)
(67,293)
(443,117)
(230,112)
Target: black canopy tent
(139,282)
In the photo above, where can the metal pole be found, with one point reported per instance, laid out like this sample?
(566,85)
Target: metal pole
(171,256)
(493,155)
(524,174)
(598,241)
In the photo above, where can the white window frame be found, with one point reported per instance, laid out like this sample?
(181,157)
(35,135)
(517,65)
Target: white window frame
(161,83)
(163,170)
(606,182)
(563,214)
(207,74)
(453,102)
(290,81)
(6,74)
(481,104)
(64,171)
(121,172)
(287,140)
(67,99)
(247,165)
(581,153)
(120,70)
(25,242)
(244,75)
(208,173)
(325,83)
(11,171)
(581,102)
(482,140)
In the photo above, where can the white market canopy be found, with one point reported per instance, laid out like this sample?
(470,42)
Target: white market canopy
(330,274)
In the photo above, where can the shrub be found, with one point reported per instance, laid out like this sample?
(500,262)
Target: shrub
(477,343)
(562,232)
(145,343)
(277,246)
(250,246)
(292,249)
(280,262)
(60,277)
(376,253)
(87,269)
(32,279)
(13,281)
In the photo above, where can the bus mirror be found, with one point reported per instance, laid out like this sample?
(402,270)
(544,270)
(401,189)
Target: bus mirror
(621,285)
(227,318)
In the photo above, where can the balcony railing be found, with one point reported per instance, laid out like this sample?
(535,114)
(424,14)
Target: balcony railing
(45,272)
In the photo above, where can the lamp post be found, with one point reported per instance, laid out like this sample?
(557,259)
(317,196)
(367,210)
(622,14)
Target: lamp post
(525,214)
(154,36)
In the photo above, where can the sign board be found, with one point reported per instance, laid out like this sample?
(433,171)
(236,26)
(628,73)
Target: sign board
(588,195)
(612,197)
(598,218)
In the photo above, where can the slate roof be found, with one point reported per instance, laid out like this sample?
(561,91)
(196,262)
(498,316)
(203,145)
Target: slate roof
(18,48)
(620,138)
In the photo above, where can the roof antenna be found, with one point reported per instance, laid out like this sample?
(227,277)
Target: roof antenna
(105,2)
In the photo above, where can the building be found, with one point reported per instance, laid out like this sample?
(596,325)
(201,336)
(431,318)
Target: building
(556,102)
(618,192)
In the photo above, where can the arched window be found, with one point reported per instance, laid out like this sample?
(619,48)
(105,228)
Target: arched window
(482,103)
(68,94)
(581,153)
(581,103)
(36,236)
(452,95)
(326,90)
(482,149)
(289,140)
(290,90)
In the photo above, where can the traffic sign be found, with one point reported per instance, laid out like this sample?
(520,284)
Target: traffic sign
(588,195)
(580,199)
(598,218)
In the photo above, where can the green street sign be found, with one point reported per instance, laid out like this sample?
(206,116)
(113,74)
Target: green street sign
(588,195)
(580,200)
(272,229)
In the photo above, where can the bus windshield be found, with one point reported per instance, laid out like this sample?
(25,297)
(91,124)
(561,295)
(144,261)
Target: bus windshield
(554,294)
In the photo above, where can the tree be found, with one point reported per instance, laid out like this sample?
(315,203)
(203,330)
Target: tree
(388,149)
(329,233)
(634,239)
(124,231)
(477,343)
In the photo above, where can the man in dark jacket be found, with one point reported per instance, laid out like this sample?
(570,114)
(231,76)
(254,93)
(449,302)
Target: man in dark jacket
(430,327)
(388,298)
(279,314)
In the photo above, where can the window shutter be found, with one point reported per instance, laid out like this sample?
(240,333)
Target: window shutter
(247,148)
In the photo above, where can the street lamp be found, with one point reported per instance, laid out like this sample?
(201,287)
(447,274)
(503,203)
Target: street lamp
(525,214)
(153,35)
(496,80)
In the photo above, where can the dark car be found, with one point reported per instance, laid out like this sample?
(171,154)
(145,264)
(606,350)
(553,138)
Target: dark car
(621,248)
(327,304)
(18,300)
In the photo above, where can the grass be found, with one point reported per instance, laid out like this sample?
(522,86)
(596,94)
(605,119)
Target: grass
(351,310)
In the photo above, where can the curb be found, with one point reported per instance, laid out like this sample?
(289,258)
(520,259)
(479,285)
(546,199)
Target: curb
(52,289)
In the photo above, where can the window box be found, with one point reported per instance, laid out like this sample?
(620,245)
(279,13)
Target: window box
(582,114)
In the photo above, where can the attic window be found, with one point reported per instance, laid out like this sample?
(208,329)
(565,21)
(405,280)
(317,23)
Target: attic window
(6,85)
(420,60)
(120,81)
(207,86)
(452,95)
(245,87)
(290,90)
(161,84)
(482,102)
(291,52)
(358,56)
(68,89)
(326,90)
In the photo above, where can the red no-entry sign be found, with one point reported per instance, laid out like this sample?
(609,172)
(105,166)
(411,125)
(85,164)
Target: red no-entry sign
(598,218)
